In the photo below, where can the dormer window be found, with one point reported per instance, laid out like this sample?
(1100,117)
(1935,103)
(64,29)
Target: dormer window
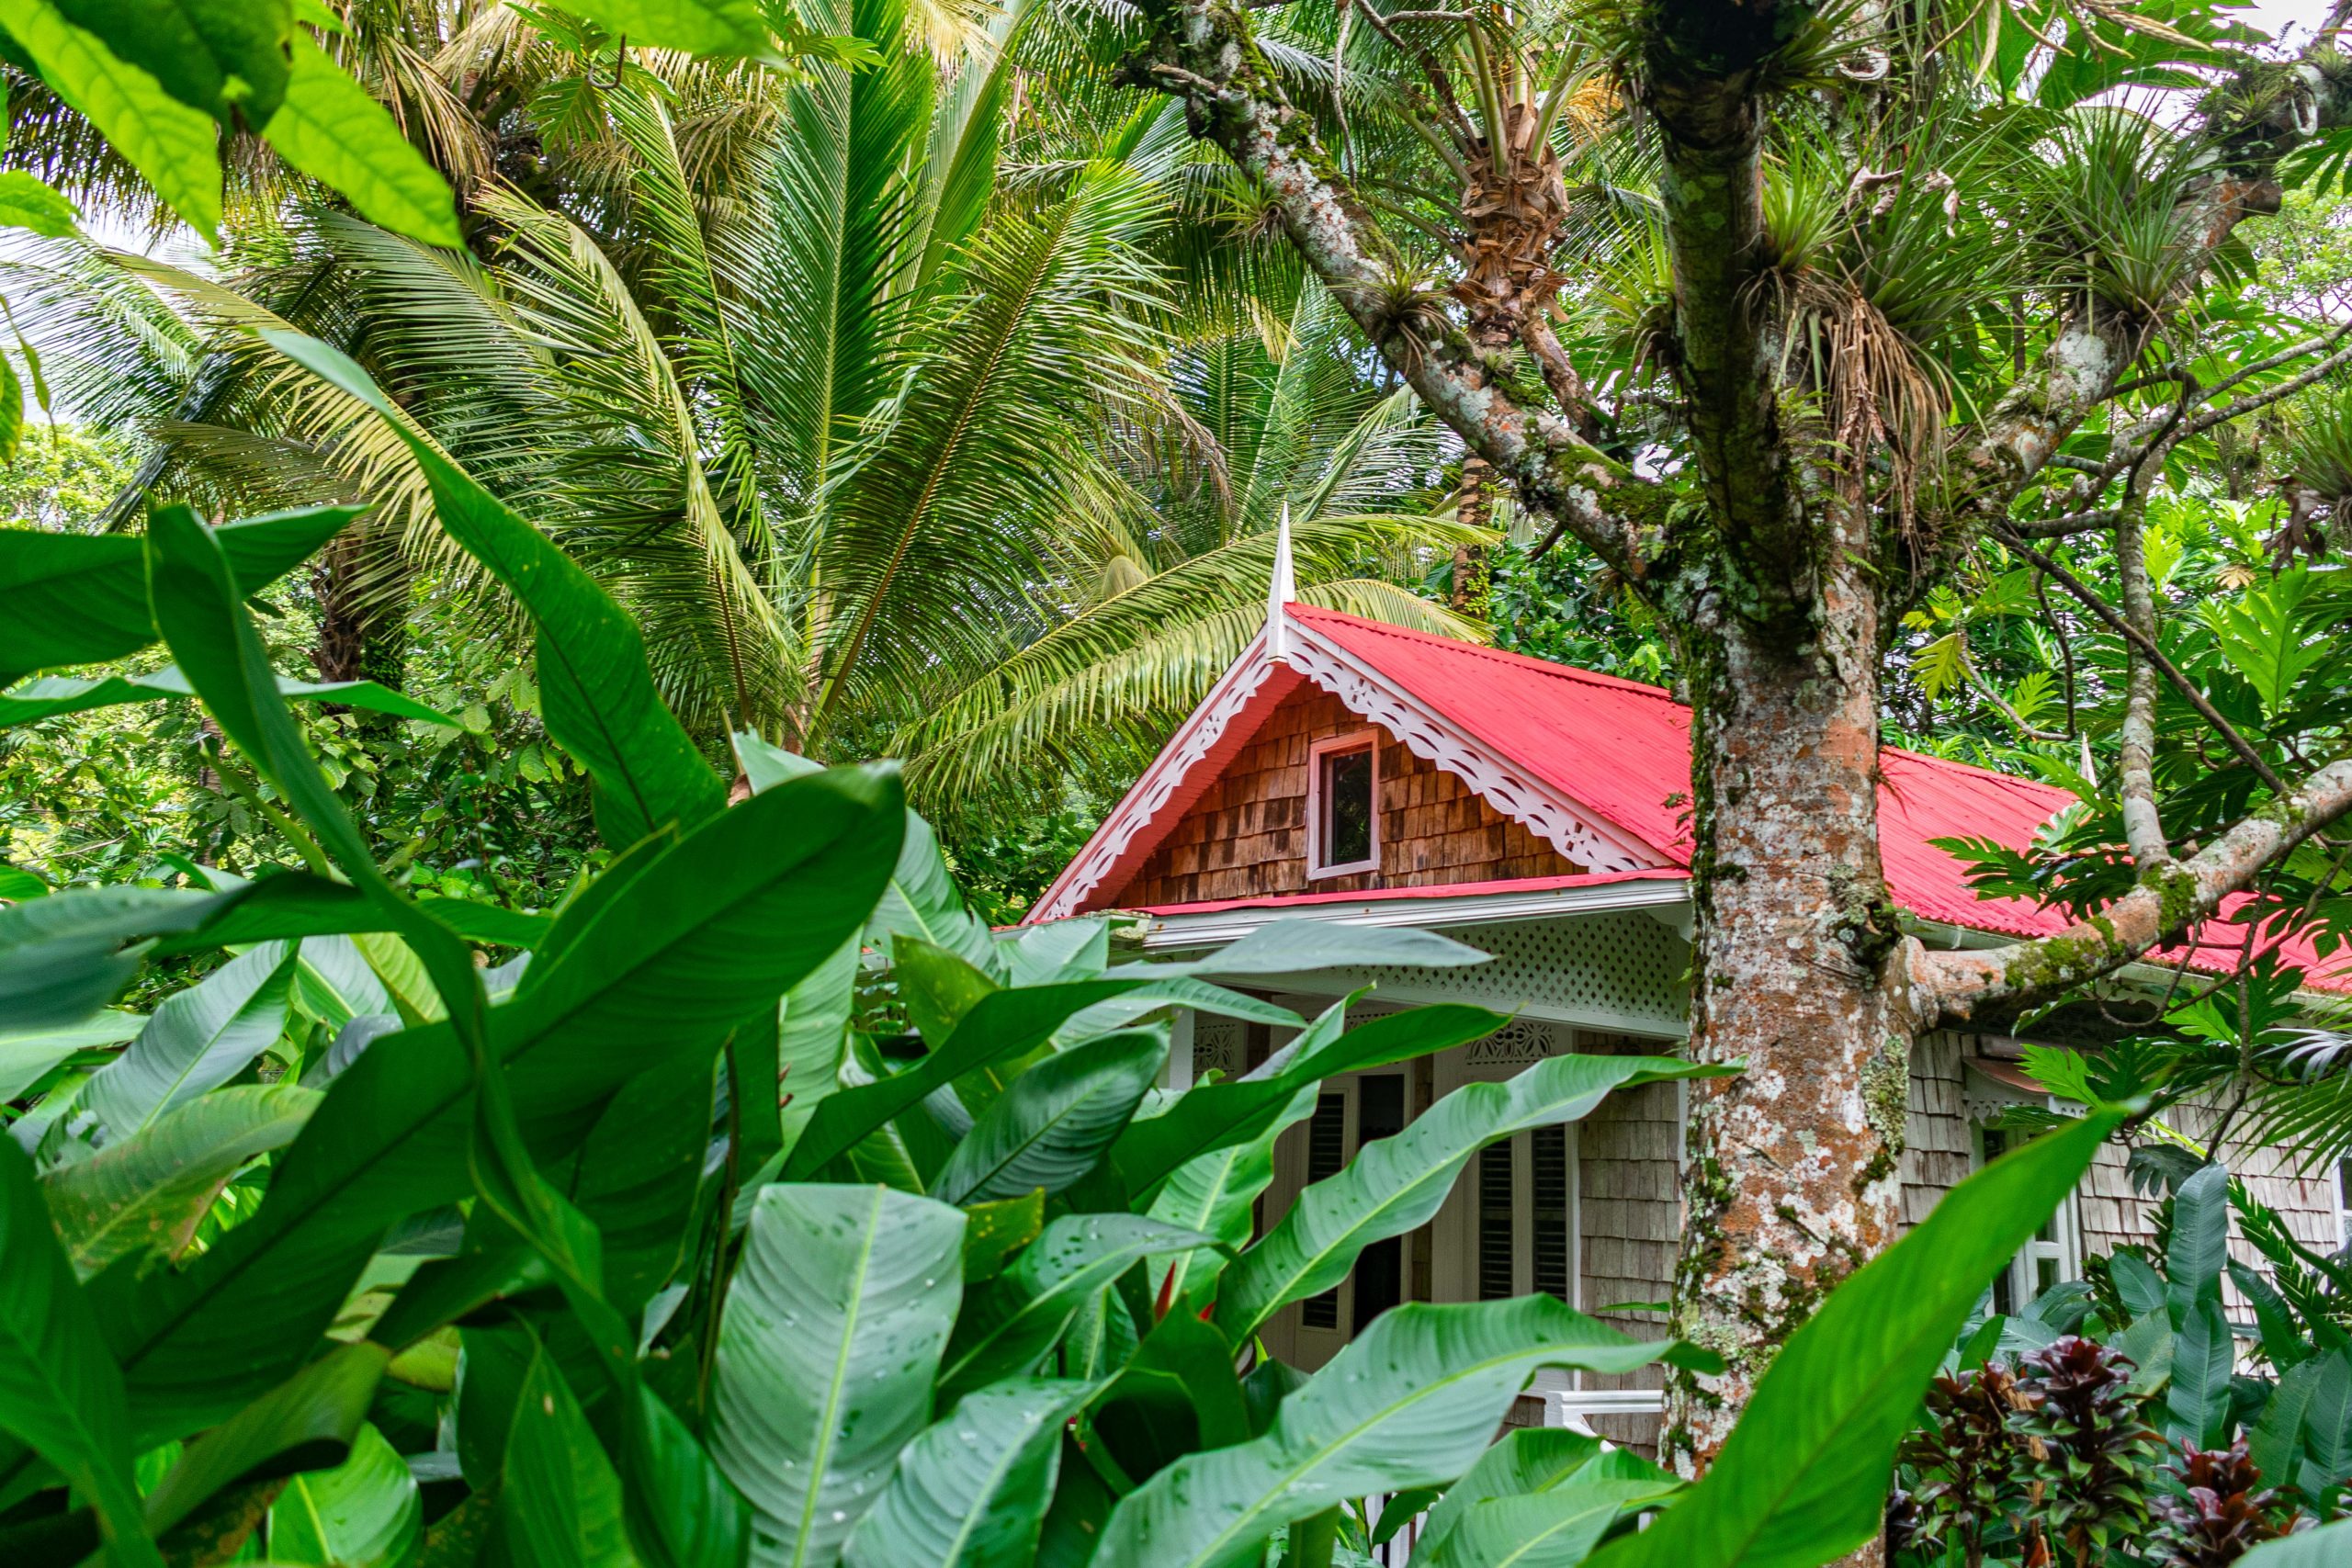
(1343,804)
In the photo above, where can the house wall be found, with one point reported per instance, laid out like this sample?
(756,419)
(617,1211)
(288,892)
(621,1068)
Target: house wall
(2109,1213)
(1629,1157)
(1246,837)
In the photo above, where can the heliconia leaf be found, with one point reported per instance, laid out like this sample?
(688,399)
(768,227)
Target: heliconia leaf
(834,1324)
(2326,1547)
(25,1056)
(1413,1401)
(64,957)
(196,1040)
(333,131)
(308,1422)
(597,691)
(970,1492)
(365,1512)
(1805,1472)
(82,598)
(561,1504)
(27,203)
(2204,1353)
(60,1390)
(1558,1526)
(2199,1244)
(812,1037)
(146,1189)
(1530,1458)
(50,695)
(1014,1320)
(723,27)
(1055,1120)
(1397,1183)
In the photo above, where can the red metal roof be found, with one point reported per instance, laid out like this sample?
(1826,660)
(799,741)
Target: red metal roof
(1622,750)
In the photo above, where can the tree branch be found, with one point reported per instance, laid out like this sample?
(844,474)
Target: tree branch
(2168,900)
(2171,671)
(1203,53)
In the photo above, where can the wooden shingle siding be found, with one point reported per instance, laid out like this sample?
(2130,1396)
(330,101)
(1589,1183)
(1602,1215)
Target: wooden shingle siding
(1629,1161)
(1246,837)
(1936,1137)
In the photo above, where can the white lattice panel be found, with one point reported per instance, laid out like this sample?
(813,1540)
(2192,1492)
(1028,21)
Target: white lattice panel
(1613,971)
(1219,1046)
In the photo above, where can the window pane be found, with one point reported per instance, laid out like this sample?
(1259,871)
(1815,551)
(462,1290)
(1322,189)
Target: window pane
(1347,806)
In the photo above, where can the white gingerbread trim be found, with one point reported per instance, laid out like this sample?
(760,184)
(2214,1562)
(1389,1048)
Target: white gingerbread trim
(1192,741)
(1582,835)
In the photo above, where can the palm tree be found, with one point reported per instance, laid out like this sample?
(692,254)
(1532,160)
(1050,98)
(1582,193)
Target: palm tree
(892,435)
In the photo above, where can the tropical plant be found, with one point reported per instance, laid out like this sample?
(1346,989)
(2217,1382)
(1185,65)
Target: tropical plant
(547,1231)
(2045,1432)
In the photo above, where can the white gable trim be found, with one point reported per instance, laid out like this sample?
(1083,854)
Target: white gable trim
(1582,835)
(1193,740)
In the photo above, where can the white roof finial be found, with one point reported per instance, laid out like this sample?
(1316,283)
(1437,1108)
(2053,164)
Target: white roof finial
(1281,589)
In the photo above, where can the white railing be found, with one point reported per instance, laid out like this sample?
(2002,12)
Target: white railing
(1572,1408)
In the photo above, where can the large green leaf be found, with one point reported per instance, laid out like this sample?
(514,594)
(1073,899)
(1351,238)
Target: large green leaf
(739,910)
(27,1056)
(177,147)
(970,1492)
(561,1504)
(308,1422)
(812,1037)
(2200,1243)
(1053,1125)
(224,56)
(2204,1353)
(2326,1547)
(50,695)
(60,1392)
(1412,1401)
(144,1191)
(331,130)
(723,27)
(365,1512)
(1558,1526)
(64,957)
(82,598)
(1530,1458)
(1012,1322)
(1804,1474)
(1397,1183)
(596,693)
(1212,1116)
(839,1310)
(196,1040)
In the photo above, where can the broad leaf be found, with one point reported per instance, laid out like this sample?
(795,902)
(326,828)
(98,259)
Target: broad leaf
(333,131)
(196,1040)
(2204,1353)
(308,1422)
(365,1512)
(1804,1474)
(723,27)
(1055,1120)
(82,599)
(145,1191)
(2326,1547)
(738,911)
(1397,1183)
(1532,1458)
(839,1310)
(64,957)
(50,695)
(970,1492)
(1412,1401)
(2199,1244)
(27,1057)
(224,56)
(561,1504)
(60,1390)
(1010,1325)
(1557,1528)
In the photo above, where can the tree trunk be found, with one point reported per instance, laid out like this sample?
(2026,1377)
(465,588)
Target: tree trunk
(1793,1181)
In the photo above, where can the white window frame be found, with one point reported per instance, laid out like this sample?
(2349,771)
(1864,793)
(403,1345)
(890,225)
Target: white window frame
(2342,1175)
(2064,1246)
(1355,740)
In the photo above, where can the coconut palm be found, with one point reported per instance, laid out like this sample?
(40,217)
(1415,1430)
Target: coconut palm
(889,436)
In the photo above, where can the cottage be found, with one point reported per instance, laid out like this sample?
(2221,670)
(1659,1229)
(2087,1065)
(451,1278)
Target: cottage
(1349,770)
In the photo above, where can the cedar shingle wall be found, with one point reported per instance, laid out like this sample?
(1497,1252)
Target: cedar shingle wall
(1629,1153)
(1247,835)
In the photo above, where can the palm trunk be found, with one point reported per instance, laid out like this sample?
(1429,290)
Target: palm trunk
(1792,1179)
